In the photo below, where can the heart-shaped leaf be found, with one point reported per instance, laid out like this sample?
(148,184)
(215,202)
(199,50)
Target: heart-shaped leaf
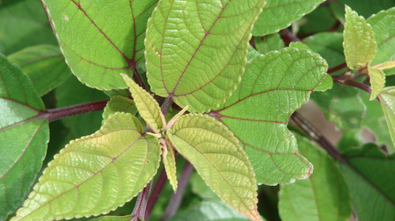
(105,169)
(323,196)
(220,161)
(119,104)
(44,65)
(97,44)
(279,14)
(273,87)
(196,50)
(359,44)
(147,106)
(24,134)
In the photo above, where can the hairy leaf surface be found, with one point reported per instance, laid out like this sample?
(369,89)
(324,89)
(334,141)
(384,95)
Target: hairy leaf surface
(147,106)
(169,163)
(359,43)
(377,81)
(196,50)
(99,45)
(279,14)
(105,169)
(119,104)
(220,161)
(323,196)
(274,86)
(387,98)
(370,177)
(44,65)
(24,135)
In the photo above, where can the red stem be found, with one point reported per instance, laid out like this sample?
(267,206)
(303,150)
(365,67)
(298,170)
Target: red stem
(58,113)
(336,68)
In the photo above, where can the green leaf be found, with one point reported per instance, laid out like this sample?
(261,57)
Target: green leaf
(364,7)
(73,92)
(341,105)
(319,20)
(44,65)
(326,84)
(377,81)
(169,162)
(22,24)
(24,134)
(369,175)
(119,104)
(274,86)
(147,106)
(220,161)
(99,45)
(209,211)
(384,36)
(181,50)
(106,169)
(269,43)
(200,188)
(113,218)
(279,14)
(323,196)
(387,98)
(359,44)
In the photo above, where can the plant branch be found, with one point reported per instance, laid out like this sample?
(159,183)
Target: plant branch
(137,77)
(288,37)
(339,79)
(58,113)
(336,68)
(176,199)
(155,193)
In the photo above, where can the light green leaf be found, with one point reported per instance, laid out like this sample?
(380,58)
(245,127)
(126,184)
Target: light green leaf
(323,196)
(200,188)
(274,86)
(113,218)
(381,25)
(105,169)
(119,104)
(359,44)
(370,177)
(24,134)
(386,65)
(326,84)
(299,45)
(147,106)
(220,161)
(269,43)
(198,59)
(99,45)
(169,163)
(22,24)
(377,81)
(387,98)
(44,65)
(73,92)
(214,210)
(279,14)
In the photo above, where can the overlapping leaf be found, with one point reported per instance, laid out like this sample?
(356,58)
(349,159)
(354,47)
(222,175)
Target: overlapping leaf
(370,177)
(119,104)
(44,65)
(99,45)
(279,14)
(169,163)
(220,161)
(269,43)
(147,106)
(274,86)
(323,196)
(387,98)
(384,35)
(105,169)
(24,134)
(196,49)
(359,43)
(377,81)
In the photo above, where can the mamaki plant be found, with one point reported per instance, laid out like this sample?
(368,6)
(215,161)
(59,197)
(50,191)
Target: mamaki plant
(140,94)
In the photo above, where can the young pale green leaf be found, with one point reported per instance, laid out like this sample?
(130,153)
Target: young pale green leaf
(387,98)
(169,162)
(99,45)
(105,169)
(377,81)
(384,35)
(24,134)
(213,210)
(323,196)
(44,65)
(198,59)
(220,161)
(22,24)
(274,86)
(119,104)
(386,65)
(359,44)
(113,218)
(73,92)
(279,14)
(147,106)
(370,177)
